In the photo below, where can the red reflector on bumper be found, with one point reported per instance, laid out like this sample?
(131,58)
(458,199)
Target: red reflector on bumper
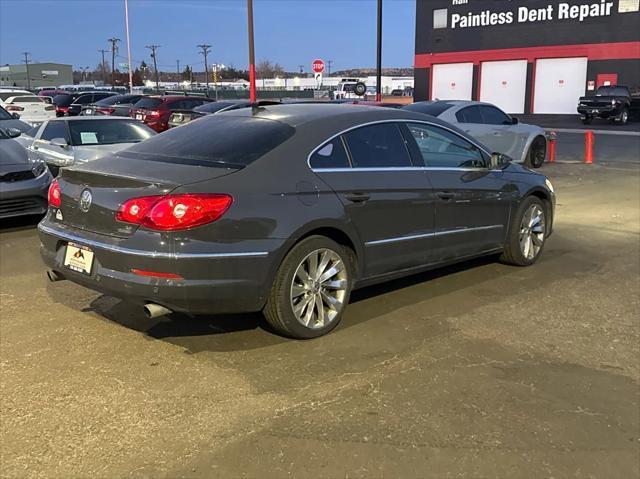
(156,274)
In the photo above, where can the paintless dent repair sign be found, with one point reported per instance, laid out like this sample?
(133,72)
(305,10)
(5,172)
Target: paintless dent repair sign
(551,12)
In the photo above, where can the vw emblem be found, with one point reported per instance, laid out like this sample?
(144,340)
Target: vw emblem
(85,201)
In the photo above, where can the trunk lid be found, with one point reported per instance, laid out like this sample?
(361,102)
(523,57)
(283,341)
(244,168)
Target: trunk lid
(113,180)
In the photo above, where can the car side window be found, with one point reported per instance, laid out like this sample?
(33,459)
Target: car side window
(55,129)
(470,114)
(378,146)
(493,116)
(331,155)
(441,148)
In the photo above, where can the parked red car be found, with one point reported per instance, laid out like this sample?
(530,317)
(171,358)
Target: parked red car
(155,111)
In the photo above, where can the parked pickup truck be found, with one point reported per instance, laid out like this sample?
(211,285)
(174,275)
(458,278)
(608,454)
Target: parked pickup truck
(613,102)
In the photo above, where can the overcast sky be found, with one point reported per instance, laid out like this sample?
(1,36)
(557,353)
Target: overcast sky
(290,32)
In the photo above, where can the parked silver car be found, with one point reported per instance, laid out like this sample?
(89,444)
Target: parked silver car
(68,141)
(491,126)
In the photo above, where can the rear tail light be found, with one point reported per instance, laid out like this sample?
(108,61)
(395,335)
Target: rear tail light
(174,212)
(106,111)
(55,196)
(13,108)
(153,114)
(62,109)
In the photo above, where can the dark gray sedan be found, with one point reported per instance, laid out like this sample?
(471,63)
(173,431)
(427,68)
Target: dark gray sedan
(286,209)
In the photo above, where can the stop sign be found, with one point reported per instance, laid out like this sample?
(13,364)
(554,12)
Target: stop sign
(317,65)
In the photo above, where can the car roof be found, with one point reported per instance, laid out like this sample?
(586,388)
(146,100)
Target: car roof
(298,114)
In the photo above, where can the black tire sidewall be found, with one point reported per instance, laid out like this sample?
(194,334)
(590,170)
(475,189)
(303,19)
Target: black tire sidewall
(292,327)
(514,232)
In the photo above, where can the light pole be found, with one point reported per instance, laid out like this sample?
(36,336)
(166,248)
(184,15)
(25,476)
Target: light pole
(379,55)
(126,21)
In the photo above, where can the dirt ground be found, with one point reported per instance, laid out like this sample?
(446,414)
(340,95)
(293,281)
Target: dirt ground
(479,370)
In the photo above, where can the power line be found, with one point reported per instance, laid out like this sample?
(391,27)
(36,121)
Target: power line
(206,49)
(26,62)
(114,47)
(153,49)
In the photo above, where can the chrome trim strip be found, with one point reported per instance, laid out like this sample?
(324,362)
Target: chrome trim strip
(136,252)
(395,120)
(396,168)
(432,234)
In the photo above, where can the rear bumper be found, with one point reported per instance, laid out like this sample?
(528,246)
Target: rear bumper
(223,280)
(28,197)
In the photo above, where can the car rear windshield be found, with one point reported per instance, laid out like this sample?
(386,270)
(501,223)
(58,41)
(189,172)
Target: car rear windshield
(215,106)
(108,132)
(433,109)
(612,91)
(148,103)
(213,141)
(8,94)
(63,100)
(5,115)
(28,99)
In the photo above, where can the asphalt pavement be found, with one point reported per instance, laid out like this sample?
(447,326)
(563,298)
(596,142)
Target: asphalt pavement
(480,370)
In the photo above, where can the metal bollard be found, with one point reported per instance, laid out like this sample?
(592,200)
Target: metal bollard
(588,147)
(552,138)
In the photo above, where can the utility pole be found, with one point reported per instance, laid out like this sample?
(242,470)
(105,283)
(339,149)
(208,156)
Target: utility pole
(153,49)
(329,62)
(178,69)
(206,49)
(114,48)
(252,56)
(26,62)
(104,69)
(301,69)
(379,55)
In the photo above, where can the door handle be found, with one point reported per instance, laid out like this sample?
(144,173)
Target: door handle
(445,195)
(357,197)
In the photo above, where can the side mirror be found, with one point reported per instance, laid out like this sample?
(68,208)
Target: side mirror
(498,161)
(61,142)
(15,116)
(13,132)
(514,120)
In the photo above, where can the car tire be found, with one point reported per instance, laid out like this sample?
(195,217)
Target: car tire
(300,308)
(624,116)
(537,153)
(587,120)
(527,236)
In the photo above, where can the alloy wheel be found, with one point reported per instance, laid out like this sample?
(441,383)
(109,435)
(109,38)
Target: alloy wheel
(319,288)
(532,231)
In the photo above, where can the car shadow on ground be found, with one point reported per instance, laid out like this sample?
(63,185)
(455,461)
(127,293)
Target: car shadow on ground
(220,332)
(20,223)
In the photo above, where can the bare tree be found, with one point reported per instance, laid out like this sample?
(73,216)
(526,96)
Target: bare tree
(267,69)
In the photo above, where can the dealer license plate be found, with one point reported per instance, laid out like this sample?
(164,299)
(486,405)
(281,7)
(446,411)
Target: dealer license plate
(88,111)
(139,117)
(78,258)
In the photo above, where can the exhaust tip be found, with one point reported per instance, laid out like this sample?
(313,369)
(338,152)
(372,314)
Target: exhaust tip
(152,310)
(53,276)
